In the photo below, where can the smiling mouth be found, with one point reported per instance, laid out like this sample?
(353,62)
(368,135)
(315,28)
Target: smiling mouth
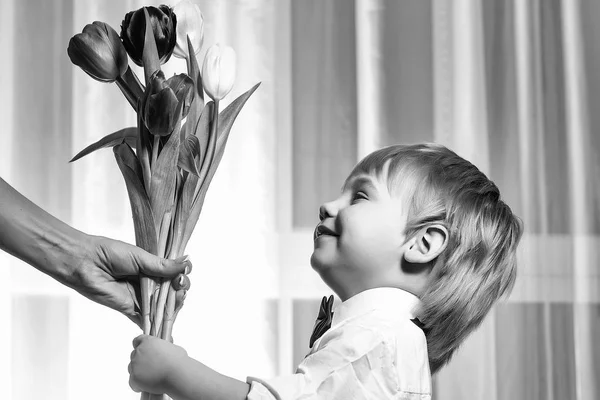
(322,230)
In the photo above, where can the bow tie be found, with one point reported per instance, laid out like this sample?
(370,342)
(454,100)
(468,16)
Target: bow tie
(323,322)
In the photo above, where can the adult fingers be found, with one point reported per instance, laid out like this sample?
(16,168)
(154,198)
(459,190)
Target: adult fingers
(122,260)
(152,265)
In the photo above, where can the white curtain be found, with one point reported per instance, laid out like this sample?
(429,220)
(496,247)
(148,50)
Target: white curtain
(521,79)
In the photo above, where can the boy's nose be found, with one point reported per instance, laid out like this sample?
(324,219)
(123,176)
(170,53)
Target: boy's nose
(327,210)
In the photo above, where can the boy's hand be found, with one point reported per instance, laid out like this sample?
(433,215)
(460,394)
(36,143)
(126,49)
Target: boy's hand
(153,362)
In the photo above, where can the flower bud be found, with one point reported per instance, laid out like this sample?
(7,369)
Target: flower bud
(99,52)
(164,25)
(162,100)
(218,71)
(183,87)
(190,22)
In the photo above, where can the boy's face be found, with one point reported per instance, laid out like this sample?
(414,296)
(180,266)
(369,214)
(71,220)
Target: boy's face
(358,244)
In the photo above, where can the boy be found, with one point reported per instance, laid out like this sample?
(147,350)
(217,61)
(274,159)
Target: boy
(416,232)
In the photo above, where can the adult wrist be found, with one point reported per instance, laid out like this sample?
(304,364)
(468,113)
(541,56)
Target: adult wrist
(84,258)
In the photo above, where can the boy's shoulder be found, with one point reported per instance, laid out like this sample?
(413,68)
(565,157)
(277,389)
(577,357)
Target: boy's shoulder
(374,327)
(394,346)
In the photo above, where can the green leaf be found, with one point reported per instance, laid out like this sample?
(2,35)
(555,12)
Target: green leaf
(182,211)
(174,239)
(198,104)
(188,150)
(150,53)
(143,219)
(202,130)
(144,148)
(184,206)
(129,135)
(226,119)
(194,70)
(163,180)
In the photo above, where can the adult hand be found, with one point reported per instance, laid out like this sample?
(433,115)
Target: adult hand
(109,274)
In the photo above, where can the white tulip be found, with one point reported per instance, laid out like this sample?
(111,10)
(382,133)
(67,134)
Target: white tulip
(218,71)
(190,22)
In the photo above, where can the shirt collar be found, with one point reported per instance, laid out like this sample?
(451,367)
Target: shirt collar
(396,300)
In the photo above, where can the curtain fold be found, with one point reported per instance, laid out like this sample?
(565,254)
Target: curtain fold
(542,154)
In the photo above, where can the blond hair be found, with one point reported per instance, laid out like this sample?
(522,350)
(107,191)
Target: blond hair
(478,265)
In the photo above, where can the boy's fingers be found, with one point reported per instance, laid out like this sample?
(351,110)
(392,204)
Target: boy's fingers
(138,340)
(133,386)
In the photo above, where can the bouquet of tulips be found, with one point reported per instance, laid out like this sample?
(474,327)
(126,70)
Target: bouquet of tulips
(170,157)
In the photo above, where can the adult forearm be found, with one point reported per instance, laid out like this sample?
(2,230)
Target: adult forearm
(36,237)
(196,381)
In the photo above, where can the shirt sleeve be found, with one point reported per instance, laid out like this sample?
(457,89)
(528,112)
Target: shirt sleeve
(356,363)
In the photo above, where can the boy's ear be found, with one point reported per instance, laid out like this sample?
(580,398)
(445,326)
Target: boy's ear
(427,244)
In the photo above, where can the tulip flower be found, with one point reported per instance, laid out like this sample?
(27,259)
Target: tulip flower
(99,52)
(218,71)
(190,22)
(163,98)
(164,25)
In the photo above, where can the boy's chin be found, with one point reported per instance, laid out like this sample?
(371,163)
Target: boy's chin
(318,261)
(315,262)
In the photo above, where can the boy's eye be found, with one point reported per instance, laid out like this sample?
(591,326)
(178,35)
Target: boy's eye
(359,196)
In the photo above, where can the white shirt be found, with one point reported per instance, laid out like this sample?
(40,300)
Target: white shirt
(372,351)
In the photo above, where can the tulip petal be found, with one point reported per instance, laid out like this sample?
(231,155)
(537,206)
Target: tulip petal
(162,23)
(98,51)
(218,71)
(183,87)
(161,112)
(150,58)
(190,23)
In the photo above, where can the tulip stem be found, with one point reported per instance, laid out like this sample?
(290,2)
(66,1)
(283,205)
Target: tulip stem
(147,288)
(164,285)
(155,149)
(133,82)
(127,92)
(169,314)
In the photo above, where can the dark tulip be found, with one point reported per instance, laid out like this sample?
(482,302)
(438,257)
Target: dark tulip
(99,52)
(162,100)
(183,86)
(164,25)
